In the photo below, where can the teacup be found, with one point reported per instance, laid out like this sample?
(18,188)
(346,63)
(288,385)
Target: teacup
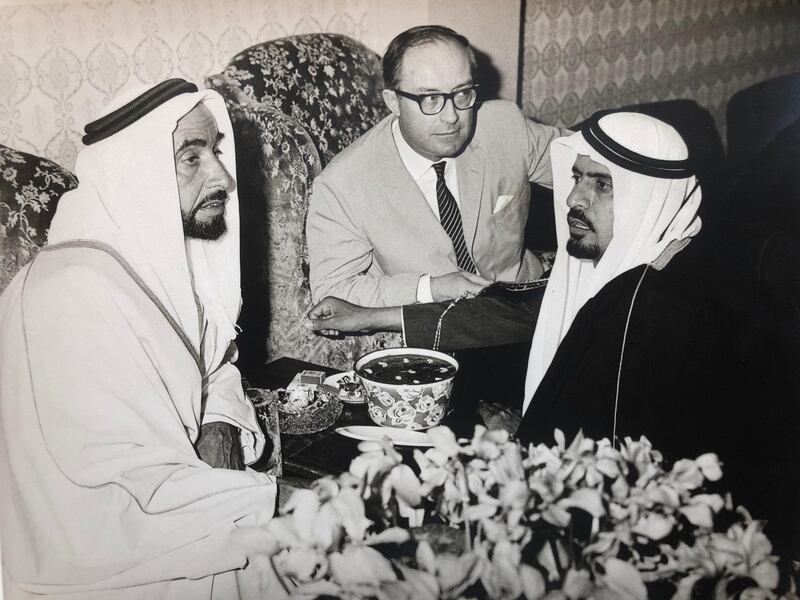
(399,395)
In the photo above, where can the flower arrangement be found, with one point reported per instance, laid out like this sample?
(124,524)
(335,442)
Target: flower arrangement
(584,520)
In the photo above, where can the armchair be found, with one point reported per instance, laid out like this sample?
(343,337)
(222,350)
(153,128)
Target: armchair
(295,103)
(30,188)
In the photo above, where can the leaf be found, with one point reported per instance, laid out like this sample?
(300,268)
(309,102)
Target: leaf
(623,579)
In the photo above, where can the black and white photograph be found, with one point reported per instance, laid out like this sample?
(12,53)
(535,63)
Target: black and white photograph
(400,300)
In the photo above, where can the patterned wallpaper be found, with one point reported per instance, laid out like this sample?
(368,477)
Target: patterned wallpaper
(583,55)
(60,62)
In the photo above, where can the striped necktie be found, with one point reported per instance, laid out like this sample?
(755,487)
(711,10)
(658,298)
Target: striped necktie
(450,217)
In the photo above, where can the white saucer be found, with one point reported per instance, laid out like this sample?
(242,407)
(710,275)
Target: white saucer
(333,381)
(399,437)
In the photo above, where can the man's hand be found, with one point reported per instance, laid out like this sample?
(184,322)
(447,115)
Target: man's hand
(333,315)
(456,284)
(219,446)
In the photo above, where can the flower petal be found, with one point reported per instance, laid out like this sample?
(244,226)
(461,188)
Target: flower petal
(710,466)
(587,499)
(653,526)
(533,585)
(623,579)
(444,440)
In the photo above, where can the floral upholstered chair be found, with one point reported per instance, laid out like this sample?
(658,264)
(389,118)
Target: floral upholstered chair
(295,103)
(30,188)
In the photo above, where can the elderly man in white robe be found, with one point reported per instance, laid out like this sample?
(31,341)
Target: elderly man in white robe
(124,428)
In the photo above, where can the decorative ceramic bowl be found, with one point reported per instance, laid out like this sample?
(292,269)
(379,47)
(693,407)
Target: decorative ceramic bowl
(407,387)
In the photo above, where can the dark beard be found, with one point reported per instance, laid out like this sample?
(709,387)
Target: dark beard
(200,230)
(576,246)
(581,249)
(205,230)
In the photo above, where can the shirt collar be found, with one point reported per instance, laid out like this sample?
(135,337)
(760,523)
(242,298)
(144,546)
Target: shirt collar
(416,164)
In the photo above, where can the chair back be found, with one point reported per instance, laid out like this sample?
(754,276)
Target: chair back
(294,102)
(30,188)
(329,83)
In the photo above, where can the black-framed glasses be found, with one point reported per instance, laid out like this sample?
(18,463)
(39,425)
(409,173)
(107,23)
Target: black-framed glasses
(432,104)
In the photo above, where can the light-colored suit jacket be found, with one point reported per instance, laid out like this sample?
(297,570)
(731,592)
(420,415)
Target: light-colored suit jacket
(371,234)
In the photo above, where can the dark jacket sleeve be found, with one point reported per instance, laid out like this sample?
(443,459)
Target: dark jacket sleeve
(474,323)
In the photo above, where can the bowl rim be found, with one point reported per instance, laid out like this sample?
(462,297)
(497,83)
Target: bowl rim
(403,350)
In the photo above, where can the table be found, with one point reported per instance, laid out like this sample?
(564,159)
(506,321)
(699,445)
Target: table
(314,455)
(311,456)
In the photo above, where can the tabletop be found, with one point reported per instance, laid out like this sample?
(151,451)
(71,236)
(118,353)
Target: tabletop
(314,455)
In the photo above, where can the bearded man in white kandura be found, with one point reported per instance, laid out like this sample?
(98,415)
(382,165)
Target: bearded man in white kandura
(124,429)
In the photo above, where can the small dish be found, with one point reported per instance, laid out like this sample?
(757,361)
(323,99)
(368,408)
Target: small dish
(353,393)
(398,437)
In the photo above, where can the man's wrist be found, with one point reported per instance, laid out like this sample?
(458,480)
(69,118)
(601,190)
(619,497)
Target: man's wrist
(386,319)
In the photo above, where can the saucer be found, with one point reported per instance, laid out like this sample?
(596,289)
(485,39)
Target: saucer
(398,437)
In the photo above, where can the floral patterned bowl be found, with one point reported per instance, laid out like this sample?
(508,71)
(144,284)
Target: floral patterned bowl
(407,405)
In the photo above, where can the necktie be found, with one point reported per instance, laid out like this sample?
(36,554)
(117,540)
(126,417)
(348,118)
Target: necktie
(450,217)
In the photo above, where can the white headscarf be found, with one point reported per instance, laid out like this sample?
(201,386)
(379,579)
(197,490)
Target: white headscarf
(649,215)
(127,198)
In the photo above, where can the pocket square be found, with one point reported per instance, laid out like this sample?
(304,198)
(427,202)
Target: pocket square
(502,202)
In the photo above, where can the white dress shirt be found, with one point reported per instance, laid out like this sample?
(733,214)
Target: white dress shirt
(423,174)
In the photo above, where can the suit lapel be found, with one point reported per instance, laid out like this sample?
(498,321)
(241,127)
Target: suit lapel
(471,170)
(398,186)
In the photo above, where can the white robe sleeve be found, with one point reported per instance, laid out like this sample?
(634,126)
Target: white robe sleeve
(226,401)
(97,439)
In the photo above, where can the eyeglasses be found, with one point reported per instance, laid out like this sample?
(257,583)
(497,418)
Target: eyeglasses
(432,104)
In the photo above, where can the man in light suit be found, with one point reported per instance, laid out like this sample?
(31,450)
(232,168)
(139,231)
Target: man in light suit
(432,202)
